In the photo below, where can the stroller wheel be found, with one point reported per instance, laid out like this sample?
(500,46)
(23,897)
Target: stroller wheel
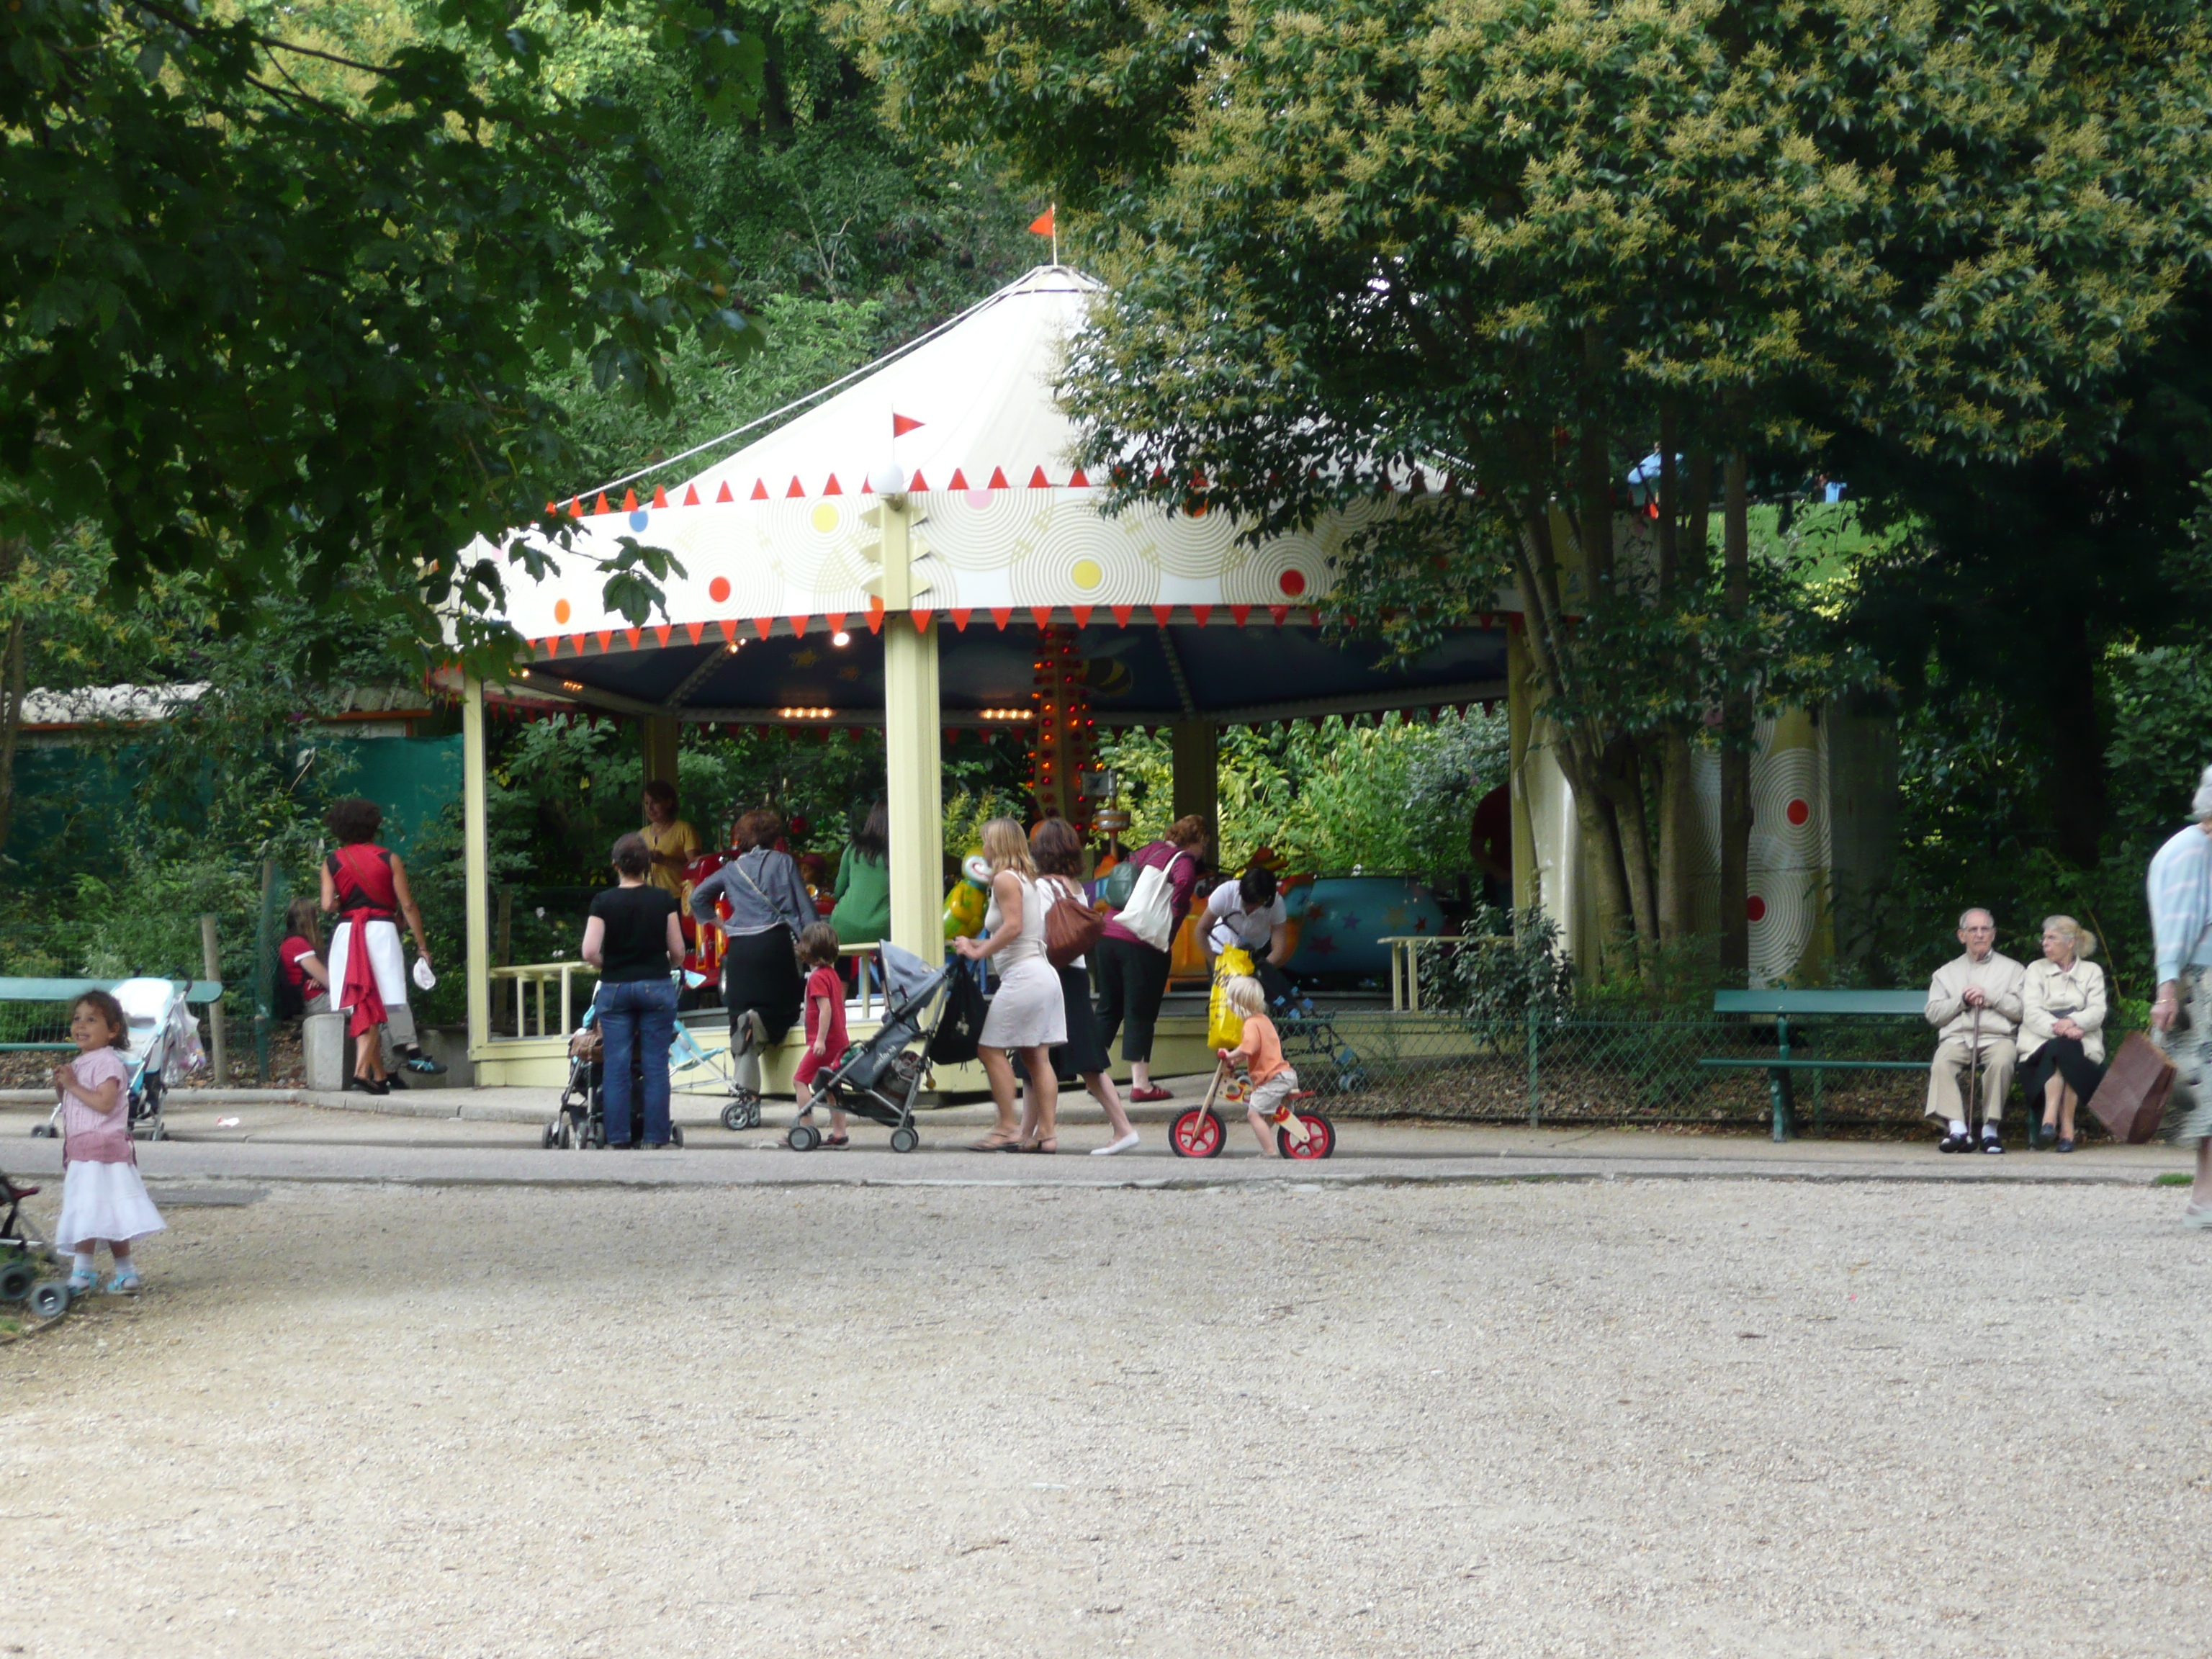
(803,1138)
(742,1113)
(42,1131)
(903,1139)
(1320,1142)
(16,1279)
(676,1134)
(49,1298)
(545,1140)
(1198,1133)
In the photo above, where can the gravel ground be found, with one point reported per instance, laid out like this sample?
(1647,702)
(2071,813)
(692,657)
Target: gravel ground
(1644,1417)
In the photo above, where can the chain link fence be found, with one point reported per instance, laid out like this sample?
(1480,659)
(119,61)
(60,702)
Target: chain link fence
(1639,1069)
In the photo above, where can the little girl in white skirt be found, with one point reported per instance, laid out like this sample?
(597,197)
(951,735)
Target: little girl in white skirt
(102,1197)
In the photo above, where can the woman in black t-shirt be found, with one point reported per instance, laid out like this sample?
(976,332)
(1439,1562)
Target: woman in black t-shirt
(633,939)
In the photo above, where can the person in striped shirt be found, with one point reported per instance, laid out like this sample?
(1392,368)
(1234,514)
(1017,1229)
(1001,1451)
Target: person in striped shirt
(2179,887)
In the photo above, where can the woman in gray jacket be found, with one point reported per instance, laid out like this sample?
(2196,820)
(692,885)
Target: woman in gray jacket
(762,987)
(2061,1027)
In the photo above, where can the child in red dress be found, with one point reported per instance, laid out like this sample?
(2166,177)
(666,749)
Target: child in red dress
(826,1042)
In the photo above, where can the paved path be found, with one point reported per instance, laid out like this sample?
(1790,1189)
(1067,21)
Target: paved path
(491,1136)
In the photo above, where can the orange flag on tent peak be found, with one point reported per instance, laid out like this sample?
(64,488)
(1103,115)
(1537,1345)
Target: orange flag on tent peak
(903,424)
(1042,225)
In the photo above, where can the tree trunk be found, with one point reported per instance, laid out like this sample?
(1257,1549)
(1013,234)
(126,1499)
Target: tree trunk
(1677,900)
(1735,728)
(1624,788)
(11,693)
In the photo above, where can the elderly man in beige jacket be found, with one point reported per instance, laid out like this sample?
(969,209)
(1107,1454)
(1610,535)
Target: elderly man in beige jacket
(1974,1003)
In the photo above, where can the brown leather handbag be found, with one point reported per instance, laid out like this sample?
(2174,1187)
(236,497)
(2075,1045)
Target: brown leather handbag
(1071,926)
(2131,1099)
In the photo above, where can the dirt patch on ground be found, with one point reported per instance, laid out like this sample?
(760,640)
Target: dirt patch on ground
(1657,1417)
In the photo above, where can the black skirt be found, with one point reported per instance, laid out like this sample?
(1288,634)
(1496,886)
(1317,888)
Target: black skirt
(759,971)
(1083,1052)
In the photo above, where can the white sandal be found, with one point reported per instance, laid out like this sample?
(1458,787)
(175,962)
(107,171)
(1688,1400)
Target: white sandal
(1121,1146)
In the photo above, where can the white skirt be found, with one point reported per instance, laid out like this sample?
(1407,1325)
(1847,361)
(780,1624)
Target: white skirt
(1028,1010)
(104,1202)
(388,965)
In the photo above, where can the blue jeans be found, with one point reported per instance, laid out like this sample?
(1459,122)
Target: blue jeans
(637,1018)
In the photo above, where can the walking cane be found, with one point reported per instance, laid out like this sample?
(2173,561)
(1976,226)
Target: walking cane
(1974,1075)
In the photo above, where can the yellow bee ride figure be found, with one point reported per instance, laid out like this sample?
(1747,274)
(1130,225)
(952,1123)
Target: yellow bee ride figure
(1273,1103)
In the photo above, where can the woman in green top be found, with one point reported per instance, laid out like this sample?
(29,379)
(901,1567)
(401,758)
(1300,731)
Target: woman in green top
(863,915)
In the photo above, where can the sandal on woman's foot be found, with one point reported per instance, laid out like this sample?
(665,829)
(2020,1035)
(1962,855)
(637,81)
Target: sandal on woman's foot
(2045,1133)
(997,1141)
(1049,1144)
(840,1138)
(1149,1093)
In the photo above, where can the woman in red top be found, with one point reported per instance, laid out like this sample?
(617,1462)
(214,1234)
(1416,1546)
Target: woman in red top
(366,886)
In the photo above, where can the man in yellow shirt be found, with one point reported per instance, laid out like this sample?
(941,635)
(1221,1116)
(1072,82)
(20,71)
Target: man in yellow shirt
(672,842)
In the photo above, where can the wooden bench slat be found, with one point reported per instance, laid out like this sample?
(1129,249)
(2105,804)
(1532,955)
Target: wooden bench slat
(1863,1004)
(1832,1064)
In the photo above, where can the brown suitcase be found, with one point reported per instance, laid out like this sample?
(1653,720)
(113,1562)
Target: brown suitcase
(2131,1099)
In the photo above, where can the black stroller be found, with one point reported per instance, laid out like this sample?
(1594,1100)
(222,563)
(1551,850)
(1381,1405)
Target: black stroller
(581,1121)
(26,1258)
(879,1079)
(1306,1031)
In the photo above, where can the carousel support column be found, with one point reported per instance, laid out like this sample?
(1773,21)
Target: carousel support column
(1194,751)
(912,738)
(475,866)
(659,733)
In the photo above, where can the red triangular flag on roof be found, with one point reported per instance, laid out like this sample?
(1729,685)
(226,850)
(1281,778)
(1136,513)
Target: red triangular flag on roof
(551,510)
(552,645)
(1163,614)
(633,634)
(903,424)
(1199,613)
(1044,223)
(1279,612)
(1041,615)
(690,494)
(921,620)
(660,496)
(723,494)
(998,480)
(875,616)
(960,614)
(760,490)
(832,489)
(918,485)
(1121,614)
(1077,481)
(763,625)
(576,643)
(1038,480)
(799,627)
(1240,612)
(660,633)
(1002,615)
(692,629)
(795,491)
(729,628)
(629,500)
(600,506)
(959,480)
(576,507)
(606,640)
(1081,613)
(836,619)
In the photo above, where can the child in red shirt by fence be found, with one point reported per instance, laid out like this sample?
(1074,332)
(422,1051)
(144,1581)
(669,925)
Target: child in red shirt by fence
(1260,1051)
(826,1042)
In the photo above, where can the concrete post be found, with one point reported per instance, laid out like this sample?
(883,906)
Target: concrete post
(476,865)
(218,1038)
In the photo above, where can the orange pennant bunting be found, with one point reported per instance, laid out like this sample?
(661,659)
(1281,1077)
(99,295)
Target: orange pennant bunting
(1081,613)
(1002,615)
(960,614)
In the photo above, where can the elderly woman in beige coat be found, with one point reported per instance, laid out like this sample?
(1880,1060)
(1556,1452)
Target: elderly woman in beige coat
(2061,1027)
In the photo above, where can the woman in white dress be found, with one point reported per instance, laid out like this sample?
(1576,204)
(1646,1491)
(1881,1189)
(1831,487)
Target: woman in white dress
(1027,1015)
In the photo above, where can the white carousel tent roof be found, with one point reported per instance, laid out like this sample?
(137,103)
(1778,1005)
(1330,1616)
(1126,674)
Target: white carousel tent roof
(783,530)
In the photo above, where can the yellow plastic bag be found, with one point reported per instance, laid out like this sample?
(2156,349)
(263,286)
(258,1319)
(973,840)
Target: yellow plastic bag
(1224,1026)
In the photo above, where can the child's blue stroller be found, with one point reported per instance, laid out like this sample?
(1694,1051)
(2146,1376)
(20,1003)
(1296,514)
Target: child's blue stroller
(878,1079)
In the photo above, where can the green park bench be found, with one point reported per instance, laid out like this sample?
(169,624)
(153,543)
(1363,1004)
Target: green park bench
(21,1031)
(1781,1006)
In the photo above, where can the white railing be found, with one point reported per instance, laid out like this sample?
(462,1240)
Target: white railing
(532,980)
